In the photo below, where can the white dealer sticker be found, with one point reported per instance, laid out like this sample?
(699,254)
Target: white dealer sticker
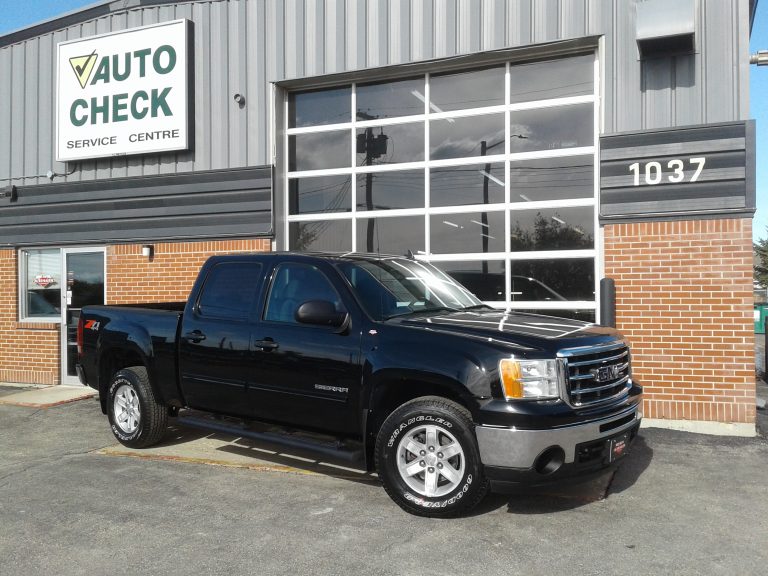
(123,93)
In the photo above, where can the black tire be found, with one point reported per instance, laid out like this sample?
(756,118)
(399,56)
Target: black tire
(143,423)
(450,423)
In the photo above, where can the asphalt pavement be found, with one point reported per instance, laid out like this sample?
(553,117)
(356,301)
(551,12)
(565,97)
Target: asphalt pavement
(679,504)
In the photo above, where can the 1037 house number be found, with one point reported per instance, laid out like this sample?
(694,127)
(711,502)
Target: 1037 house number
(653,173)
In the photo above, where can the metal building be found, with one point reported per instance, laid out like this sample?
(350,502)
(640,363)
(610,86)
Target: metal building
(530,148)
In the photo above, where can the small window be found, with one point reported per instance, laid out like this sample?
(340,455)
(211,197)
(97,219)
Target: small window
(40,284)
(230,290)
(295,284)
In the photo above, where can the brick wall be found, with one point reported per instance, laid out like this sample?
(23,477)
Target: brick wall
(30,353)
(684,300)
(169,275)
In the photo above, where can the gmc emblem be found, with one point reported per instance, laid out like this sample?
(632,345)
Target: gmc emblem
(606,373)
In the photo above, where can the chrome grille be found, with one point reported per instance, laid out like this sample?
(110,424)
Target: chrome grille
(596,374)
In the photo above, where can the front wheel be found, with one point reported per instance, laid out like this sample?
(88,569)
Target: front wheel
(428,460)
(137,419)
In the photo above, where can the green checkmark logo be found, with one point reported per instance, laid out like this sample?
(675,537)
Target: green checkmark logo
(83,66)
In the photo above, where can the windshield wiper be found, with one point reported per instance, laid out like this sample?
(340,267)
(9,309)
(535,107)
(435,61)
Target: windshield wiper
(478,306)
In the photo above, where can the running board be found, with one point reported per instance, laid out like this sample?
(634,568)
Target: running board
(329,449)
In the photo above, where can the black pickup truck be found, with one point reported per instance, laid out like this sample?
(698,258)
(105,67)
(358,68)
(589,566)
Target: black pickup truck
(384,360)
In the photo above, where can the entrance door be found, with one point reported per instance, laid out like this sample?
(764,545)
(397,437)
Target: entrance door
(84,274)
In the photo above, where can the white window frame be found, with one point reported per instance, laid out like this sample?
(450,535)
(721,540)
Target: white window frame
(507,206)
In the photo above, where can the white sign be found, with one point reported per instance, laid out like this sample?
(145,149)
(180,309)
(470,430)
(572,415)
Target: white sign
(123,93)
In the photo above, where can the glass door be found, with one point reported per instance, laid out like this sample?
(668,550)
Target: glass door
(84,274)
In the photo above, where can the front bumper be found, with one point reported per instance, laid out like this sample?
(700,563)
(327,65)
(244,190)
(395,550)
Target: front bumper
(514,454)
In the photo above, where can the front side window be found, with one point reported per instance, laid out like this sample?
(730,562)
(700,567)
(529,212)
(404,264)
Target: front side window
(40,284)
(294,284)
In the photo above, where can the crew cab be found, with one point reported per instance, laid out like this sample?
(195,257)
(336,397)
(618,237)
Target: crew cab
(384,361)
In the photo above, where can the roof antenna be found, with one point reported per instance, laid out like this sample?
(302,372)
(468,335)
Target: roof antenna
(410,255)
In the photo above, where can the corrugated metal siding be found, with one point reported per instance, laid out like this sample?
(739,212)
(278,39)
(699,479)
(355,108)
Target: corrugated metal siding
(242,45)
(205,204)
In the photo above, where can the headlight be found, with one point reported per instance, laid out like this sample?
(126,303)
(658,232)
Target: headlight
(529,378)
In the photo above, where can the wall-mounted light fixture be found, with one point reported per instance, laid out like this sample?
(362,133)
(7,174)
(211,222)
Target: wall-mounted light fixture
(148,251)
(51,174)
(759,58)
(240,99)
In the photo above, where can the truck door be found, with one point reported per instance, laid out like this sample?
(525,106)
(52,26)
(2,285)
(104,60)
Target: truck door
(303,374)
(214,347)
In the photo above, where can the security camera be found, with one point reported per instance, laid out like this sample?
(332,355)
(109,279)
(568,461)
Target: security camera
(50,175)
(240,99)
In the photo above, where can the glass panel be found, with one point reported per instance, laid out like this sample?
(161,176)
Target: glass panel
(478,184)
(464,137)
(42,284)
(230,290)
(552,128)
(295,284)
(319,151)
(583,315)
(390,99)
(390,190)
(319,107)
(462,233)
(390,144)
(484,279)
(553,280)
(396,286)
(552,229)
(320,194)
(391,235)
(322,236)
(85,287)
(552,79)
(467,90)
(552,179)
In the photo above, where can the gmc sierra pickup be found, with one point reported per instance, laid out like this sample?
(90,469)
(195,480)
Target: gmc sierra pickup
(383,360)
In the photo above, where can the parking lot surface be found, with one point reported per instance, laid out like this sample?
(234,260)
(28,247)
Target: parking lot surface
(72,502)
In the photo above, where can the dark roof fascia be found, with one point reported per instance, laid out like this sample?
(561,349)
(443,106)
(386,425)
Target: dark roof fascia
(78,16)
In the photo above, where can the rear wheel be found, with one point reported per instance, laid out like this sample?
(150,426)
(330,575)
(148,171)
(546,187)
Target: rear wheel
(137,419)
(427,458)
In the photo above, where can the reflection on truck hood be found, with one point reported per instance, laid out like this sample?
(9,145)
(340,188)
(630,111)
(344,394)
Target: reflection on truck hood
(496,323)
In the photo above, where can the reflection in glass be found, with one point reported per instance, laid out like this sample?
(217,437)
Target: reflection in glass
(391,235)
(390,190)
(552,179)
(552,79)
(390,99)
(464,233)
(484,279)
(583,315)
(467,90)
(326,235)
(552,280)
(319,151)
(552,128)
(320,194)
(390,144)
(463,137)
(458,185)
(85,284)
(552,229)
(319,107)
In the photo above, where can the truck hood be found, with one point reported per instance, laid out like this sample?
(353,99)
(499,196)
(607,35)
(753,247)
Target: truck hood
(531,331)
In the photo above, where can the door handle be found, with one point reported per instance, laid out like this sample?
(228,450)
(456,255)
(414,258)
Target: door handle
(195,336)
(265,345)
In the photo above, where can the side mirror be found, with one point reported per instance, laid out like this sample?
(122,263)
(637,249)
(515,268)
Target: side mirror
(320,313)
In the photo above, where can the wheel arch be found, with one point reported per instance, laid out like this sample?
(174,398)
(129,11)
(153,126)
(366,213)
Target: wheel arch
(112,361)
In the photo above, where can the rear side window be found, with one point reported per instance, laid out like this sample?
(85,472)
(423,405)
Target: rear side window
(230,290)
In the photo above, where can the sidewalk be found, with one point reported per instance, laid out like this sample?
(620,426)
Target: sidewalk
(42,396)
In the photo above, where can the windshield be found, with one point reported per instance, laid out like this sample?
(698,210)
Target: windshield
(396,287)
